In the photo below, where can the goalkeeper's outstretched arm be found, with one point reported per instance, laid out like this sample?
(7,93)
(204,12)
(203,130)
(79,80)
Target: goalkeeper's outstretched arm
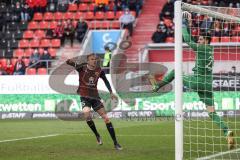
(187,20)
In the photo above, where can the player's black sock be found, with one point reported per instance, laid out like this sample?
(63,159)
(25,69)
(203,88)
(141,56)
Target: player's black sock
(111,132)
(93,127)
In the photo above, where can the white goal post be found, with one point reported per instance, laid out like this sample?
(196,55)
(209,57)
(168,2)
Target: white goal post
(179,7)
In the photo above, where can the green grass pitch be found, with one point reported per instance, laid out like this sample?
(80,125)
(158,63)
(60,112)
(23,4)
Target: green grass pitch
(141,140)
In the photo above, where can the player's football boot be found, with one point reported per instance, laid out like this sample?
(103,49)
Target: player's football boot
(99,140)
(118,147)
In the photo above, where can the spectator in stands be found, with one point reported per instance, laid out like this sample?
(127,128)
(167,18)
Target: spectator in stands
(160,35)
(101,5)
(170,31)
(107,59)
(17,12)
(225,30)
(2,70)
(69,32)
(117,6)
(206,24)
(234,3)
(167,11)
(45,57)
(49,33)
(2,22)
(34,58)
(9,67)
(25,13)
(81,29)
(127,20)
(58,32)
(19,68)
(51,7)
(135,5)
(216,29)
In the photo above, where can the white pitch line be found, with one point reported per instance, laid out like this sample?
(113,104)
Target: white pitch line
(28,138)
(125,135)
(218,154)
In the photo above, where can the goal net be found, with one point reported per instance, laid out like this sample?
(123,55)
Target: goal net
(207,75)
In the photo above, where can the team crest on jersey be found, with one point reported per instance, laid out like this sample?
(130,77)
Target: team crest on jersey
(91,80)
(97,74)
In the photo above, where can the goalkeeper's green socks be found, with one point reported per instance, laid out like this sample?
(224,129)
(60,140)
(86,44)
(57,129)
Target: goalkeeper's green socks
(216,119)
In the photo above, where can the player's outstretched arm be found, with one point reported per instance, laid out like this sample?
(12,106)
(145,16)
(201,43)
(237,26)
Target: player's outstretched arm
(71,62)
(75,64)
(187,21)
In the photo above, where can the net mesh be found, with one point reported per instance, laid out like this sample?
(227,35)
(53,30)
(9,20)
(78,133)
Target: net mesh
(211,78)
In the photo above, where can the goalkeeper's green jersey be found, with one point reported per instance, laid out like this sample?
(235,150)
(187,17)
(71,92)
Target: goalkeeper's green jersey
(204,55)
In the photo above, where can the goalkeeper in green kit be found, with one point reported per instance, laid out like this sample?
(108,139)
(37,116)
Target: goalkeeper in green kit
(201,80)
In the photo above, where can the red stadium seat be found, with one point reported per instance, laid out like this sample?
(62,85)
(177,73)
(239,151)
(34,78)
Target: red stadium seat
(91,7)
(83,7)
(74,23)
(53,24)
(37,17)
(68,15)
(18,53)
(39,34)
(42,71)
(169,40)
(235,39)
(52,52)
(31,71)
(34,43)
(58,16)
(3,62)
(225,39)
(28,34)
(72,7)
(26,61)
(33,25)
(78,15)
(23,43)
(97,24)
(119,14)
(40,51)
(28,52)
(48,16)
(89,16)
(110,15)
(105,24)
(99,15)
(13,61)
(133,13)
(115,25)
(91,24)
(45,43)
(44,25)
(214,39)
(56,43)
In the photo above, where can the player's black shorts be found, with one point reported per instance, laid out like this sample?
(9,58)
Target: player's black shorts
(95,103)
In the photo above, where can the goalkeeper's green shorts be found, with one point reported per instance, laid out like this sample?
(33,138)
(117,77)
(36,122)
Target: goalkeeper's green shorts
(202,85)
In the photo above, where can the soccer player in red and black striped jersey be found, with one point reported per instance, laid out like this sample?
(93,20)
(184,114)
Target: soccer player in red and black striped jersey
(89,73)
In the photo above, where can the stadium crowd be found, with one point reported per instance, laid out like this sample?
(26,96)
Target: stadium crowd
(22,32)
(201,23)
